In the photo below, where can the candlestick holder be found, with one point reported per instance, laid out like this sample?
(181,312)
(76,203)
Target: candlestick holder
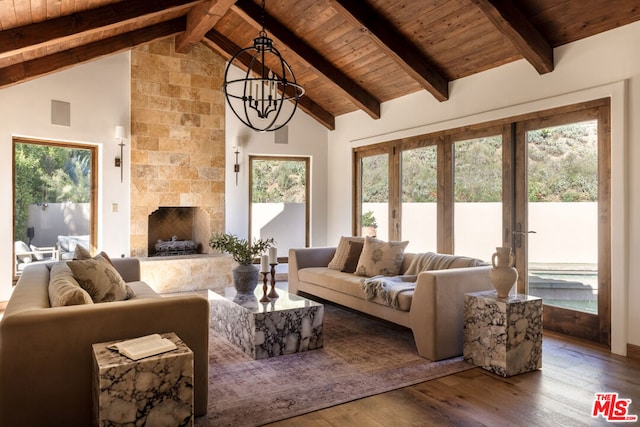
(273,293)
(264,298)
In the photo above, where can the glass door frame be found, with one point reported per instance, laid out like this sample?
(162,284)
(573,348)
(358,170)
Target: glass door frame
(593,327)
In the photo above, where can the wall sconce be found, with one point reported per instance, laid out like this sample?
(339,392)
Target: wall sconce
(119,135)
(236,166)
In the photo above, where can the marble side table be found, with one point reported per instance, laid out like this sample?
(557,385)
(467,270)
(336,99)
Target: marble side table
(155,390)
(503,335)
(287,324)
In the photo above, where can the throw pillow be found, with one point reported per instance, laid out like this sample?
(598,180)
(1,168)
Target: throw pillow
(340,257)
(353,256)
(80,252)
(380,258)
(100,279)
(64,290)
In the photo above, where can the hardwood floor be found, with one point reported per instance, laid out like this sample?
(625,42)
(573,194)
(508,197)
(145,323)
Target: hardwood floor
(560,394)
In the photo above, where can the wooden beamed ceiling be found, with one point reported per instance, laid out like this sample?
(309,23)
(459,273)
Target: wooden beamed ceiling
(348,54)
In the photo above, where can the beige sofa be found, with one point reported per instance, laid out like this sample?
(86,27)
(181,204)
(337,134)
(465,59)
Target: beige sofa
(433,311)
(46,354)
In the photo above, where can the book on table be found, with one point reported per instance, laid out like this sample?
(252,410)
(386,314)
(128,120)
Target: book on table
(138,348)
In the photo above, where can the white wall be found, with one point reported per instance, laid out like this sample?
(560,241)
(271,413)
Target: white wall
(99,94)
(606,65)
(307,138)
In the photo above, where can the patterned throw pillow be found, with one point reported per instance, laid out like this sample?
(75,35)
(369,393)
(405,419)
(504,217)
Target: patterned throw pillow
(80,252)
(100,279)
(64,290)
(342,251)
(380,258)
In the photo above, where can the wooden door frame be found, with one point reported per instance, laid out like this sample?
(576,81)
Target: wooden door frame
(589,326)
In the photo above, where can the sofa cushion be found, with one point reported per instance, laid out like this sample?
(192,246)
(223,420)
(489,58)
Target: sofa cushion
(347,284)
(380,258)
(434,261)
(353,256)
(64,290)
(100,279)
(342,251)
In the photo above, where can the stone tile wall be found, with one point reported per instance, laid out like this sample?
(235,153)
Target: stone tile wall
(177,135)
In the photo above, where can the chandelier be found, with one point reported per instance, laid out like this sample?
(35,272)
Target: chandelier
(258,98)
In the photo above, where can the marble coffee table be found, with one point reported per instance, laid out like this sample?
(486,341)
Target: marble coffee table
(285,325)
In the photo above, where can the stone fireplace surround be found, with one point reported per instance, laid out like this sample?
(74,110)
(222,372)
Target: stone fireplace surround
(177,159)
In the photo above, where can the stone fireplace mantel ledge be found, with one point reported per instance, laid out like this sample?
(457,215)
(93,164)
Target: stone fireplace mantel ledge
(181,257)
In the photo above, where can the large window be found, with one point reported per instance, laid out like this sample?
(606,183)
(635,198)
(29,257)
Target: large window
(54,200)
(538,183)
(419,217)
(279,208)
(477,194)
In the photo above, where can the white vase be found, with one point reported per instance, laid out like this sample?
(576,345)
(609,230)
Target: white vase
(503,274)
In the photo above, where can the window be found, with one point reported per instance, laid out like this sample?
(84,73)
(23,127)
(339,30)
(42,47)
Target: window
(477,194)
(419,217)
(53,196)
(279,194)
(538,183)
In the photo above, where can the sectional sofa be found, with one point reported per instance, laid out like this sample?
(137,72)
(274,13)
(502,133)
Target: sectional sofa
(433,310)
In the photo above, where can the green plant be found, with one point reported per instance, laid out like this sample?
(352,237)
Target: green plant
(241,250)
(369,220)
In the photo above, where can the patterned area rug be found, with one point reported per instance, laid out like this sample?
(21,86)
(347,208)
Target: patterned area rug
(361,357)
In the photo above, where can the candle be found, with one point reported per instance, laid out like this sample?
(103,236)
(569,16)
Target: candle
(273,255)
(264,264)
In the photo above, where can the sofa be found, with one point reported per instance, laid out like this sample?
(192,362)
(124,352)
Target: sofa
(434,310)
(46,362)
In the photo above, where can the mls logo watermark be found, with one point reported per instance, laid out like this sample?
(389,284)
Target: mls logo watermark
(612,408)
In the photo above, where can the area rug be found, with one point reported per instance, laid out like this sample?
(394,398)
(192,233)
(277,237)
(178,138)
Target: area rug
(361,357)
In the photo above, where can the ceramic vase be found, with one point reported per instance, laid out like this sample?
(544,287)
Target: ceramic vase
(503,274)
(245,278)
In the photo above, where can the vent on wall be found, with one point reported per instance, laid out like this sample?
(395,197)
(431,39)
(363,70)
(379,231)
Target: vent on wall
(60,113)
(282,135)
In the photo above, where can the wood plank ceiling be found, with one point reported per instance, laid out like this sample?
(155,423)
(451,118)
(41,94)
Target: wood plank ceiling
(348,54)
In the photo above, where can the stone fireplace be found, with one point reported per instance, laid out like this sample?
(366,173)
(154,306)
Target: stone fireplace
(177,163)
(177,144)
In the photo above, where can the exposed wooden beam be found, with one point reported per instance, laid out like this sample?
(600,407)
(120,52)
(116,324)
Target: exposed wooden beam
(20,39)
(29,70)
(395,45)
(511,22)
(201,18)
(227,49)
(348,88)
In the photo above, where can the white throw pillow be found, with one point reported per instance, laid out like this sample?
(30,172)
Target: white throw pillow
(380,258)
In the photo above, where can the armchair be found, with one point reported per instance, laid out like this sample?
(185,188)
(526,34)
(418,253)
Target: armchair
(25,255)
